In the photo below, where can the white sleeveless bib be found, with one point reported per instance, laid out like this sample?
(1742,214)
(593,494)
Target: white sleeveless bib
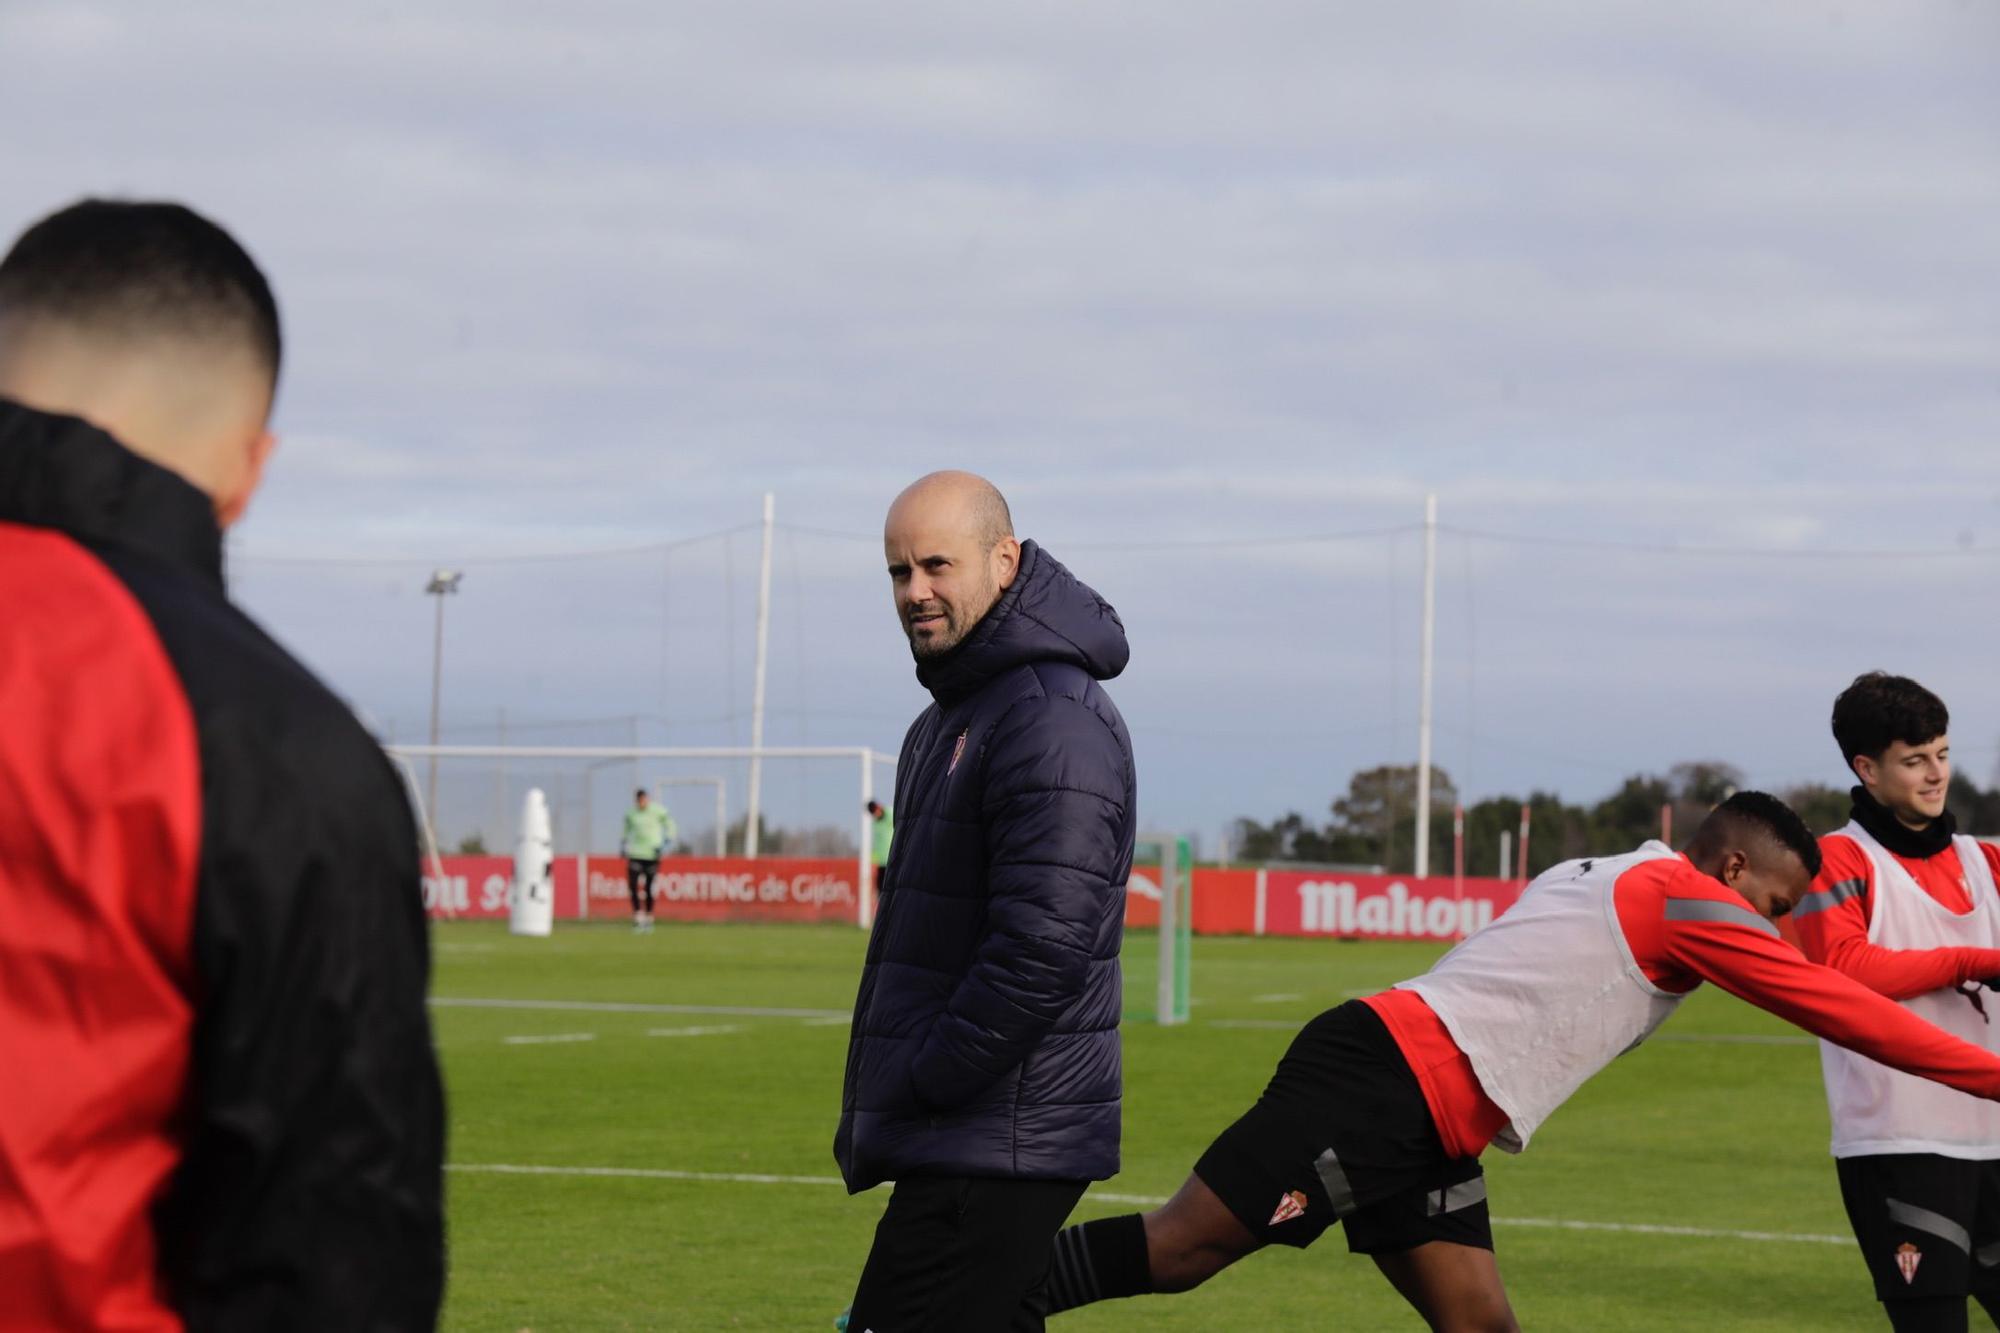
(1549,993)
(1877,1109)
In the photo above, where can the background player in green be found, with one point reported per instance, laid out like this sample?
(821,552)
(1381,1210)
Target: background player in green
(881,834)
(649,830)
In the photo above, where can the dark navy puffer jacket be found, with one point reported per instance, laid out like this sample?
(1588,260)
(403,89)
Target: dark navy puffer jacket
(985,1038)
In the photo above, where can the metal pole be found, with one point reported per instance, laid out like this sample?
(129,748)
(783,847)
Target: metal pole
(437,680)
(1458,851)
(443,582)
(1506,853)
(757,690)
(1423,866)
(500,787)
(1523,852)
(865,886)
(1667,823)
(721,820)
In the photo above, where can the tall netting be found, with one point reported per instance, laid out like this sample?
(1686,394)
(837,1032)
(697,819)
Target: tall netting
(1267,667)
(809,805)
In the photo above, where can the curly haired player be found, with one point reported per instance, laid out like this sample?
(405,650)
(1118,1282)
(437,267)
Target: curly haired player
(1377,1114)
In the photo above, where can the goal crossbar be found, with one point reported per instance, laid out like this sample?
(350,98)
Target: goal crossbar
(866,756)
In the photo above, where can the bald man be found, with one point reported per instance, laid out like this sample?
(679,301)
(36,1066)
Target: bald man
(222,1109)
(983,1069)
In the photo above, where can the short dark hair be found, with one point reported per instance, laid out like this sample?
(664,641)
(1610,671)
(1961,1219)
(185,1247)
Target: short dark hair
(1879,709)
(1766,814)
(142,268)
(637,794)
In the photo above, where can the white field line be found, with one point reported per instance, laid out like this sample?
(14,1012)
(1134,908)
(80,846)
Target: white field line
(601,1007)
(716,1031)
(1136,1200)
(544,1039)
(836,1017)
(1697,1038)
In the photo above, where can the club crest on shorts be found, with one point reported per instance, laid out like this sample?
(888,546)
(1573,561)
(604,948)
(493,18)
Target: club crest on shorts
(1908,1257)
(1291,1206)
(957,753)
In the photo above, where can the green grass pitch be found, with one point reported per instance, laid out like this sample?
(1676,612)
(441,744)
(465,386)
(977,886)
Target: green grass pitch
(1716,1126)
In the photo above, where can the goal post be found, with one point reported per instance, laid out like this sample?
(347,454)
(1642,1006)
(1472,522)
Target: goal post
(558,765)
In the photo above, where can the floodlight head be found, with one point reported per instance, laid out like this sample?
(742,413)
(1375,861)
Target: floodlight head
(444,581)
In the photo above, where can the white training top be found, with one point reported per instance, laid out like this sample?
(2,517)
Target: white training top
(1877,1109)
(1549,993)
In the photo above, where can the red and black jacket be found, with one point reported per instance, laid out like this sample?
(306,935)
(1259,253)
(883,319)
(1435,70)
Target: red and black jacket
(219,1103)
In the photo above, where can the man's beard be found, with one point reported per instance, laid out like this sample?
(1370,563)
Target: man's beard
(957,624)
(943,638)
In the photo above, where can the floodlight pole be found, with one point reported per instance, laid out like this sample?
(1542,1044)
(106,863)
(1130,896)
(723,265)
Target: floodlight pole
(752,815)
(443,583)
(1423,866)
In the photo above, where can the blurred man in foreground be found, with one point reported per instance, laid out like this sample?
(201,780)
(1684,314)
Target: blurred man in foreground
(222,1110)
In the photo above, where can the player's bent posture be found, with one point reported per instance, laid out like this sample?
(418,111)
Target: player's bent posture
(1377,1114)
(1907,909)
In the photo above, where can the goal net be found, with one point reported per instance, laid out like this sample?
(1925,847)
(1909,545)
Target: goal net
(780,833)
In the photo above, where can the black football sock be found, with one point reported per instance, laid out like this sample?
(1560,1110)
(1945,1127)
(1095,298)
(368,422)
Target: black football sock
(1099,1261)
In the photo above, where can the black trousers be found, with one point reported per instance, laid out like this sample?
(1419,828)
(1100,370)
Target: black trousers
(639,882)
(959,1255)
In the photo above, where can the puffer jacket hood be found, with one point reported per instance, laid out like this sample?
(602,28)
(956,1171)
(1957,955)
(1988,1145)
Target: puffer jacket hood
(1047,615)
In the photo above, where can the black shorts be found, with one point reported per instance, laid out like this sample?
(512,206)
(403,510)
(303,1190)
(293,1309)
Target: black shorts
(1343,1134)
(1928,1226)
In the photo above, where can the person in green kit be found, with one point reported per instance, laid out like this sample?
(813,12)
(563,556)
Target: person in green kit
(884,831)
(648,831)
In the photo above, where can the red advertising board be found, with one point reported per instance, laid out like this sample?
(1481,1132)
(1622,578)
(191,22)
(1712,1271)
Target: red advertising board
(1326,903)
(1380,907)
(1320,903)
(474,888)
(687,888)
(695,888)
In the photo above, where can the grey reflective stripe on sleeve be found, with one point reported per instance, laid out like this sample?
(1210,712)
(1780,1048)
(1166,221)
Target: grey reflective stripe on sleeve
(1339,1192)
(1462,1195)
(1923,1219)
(1707,909)
(1833,895)
(1987,1255)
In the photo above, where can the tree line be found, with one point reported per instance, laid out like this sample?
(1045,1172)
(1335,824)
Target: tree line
(1374,824)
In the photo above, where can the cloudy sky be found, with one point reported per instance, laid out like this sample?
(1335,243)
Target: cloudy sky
(1687,314)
